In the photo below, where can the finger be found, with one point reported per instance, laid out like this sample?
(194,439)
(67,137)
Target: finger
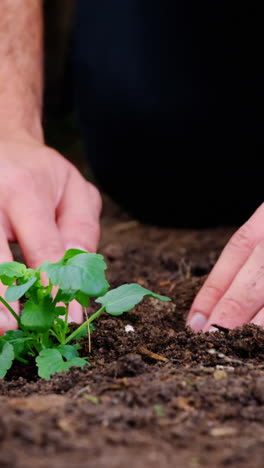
(33,221)
(39,236)
(79,214)
(259,318)
(75,312)
(231,260)
(245,297)
(7,321)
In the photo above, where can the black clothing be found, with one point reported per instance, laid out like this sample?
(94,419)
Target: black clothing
(170,103)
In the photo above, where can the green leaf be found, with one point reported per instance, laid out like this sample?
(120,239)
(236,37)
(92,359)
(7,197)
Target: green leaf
(13,293)
(50,362)
(76,362)
(64,296)
(19,341)
(60,325)
(13,335)
(125,297)
(83,272)
(68,351)
(7,281)
(72,253)
(59,310)
(92,268)
(82,298)
(12,269)
(7,357)
(38,317)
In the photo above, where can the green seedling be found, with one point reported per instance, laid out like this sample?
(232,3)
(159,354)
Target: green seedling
(43,332)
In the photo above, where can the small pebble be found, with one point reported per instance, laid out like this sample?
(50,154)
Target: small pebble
(223,431)
(220,375)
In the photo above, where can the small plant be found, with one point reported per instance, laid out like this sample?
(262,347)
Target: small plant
(43,331)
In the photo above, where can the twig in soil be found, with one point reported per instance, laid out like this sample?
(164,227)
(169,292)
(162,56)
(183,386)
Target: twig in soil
(147,352)
(164,283)
(85,389)
(126,226)
(185,268)
(88,329)
(220,328)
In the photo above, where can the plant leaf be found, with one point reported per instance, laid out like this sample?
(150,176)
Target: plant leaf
(76,362)
(13,293)
(50,361)
(83,272)
(82,298)
(7,281)
(7,356)
(38,317)
(19,341)
(12,269)
(72,253)
(92,268)
(64,296)
(125,297)
(68,351)
(59,311)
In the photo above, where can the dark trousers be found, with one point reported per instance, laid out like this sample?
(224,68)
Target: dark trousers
(169,96)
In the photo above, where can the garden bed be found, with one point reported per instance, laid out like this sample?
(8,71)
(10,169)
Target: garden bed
(156,395)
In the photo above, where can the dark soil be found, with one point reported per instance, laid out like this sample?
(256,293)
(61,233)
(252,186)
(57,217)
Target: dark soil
(197,401)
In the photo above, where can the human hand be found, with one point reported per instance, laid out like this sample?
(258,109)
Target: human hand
(46,206)
(233,293)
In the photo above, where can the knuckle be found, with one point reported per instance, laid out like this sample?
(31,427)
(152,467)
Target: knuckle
(22,176)
(230,307)
(50,251)
(20,179)
(211,290)
(242,239)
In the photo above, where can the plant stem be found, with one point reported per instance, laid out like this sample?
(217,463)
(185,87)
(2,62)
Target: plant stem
(20,359)
(84,325)
(85,311)
(66,320)
(10,309)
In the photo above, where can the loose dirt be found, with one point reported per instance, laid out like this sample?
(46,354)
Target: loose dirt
(156,395)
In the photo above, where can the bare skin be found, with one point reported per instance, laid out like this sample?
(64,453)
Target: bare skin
(45,204)
(233,293)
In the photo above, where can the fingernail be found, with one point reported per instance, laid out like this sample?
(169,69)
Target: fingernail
(213,329)
(197,322)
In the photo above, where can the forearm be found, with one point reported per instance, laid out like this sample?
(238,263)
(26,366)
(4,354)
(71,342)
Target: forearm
(21,69)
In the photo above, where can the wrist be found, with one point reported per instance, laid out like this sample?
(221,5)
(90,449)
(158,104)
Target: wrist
(20,111)
(15,126)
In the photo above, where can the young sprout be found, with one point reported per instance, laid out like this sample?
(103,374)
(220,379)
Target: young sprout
(44,333)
